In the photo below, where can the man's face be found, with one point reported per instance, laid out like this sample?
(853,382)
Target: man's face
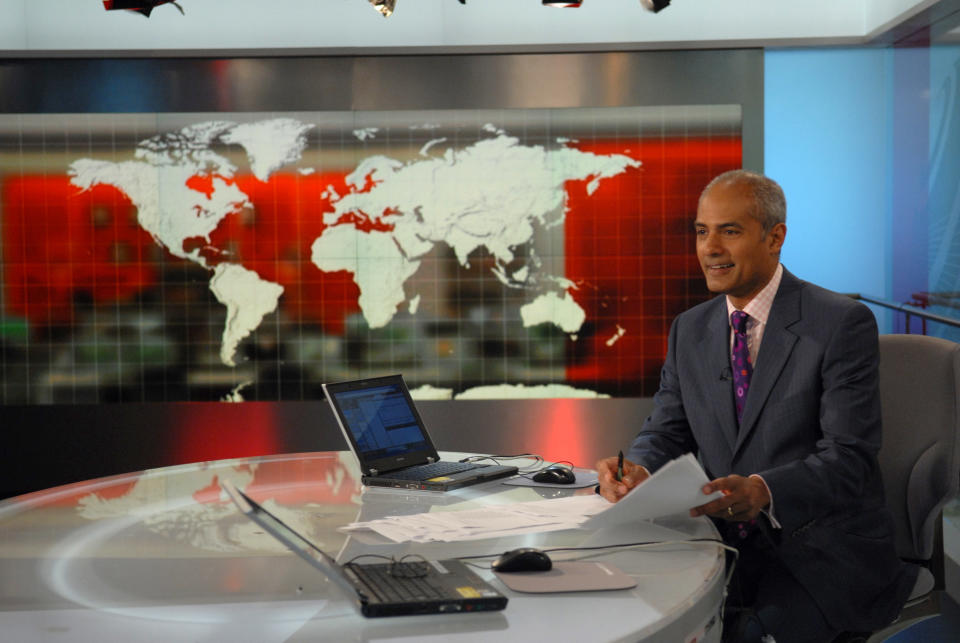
(736,257)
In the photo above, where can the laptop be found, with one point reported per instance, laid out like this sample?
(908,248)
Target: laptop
(384,589)
(385,432)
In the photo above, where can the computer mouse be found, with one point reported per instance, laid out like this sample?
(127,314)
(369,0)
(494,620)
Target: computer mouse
(555,475)
(524,559)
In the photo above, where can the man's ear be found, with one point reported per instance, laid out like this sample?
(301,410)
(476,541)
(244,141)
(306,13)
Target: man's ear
(776,237)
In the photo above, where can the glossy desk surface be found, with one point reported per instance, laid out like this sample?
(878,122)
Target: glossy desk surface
(162,555)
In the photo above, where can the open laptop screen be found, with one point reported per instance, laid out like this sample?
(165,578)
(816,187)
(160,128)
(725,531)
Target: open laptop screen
(381,423)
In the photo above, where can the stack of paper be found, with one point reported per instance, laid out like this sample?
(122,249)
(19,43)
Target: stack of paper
(674,489)
(488,522)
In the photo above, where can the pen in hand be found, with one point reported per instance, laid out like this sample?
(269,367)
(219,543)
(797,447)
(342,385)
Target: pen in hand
(620,466)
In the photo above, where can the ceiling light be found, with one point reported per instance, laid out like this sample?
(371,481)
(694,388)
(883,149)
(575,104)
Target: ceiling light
(556,3)
(140,6)
(654,5)
(384,6)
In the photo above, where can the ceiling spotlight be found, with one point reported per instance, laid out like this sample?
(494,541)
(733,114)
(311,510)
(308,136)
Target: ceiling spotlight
(654,5)
(140,6)
(384,6)
(555,3)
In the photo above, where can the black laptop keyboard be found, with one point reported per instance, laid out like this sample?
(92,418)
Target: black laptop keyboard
(427,471)
(400,582)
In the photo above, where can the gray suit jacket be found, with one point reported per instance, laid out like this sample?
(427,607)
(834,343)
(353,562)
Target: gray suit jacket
(810,427)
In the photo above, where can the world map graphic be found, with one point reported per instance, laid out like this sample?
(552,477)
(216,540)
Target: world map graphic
(494,194)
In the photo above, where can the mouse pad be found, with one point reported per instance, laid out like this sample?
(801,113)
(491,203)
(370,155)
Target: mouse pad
(585,478)
(572,576)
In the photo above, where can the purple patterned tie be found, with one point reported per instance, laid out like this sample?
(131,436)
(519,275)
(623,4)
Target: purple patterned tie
(740,360)
(742,370)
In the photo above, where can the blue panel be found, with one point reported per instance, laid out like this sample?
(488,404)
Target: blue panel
(827,132)
(944,181)
(827,136)
(910,166)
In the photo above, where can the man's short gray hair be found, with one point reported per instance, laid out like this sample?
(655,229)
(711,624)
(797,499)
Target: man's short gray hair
(769,201)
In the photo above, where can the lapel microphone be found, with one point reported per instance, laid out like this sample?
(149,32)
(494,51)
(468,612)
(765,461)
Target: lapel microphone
(726,374)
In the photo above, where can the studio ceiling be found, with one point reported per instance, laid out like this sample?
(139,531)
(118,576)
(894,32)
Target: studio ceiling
(251,27)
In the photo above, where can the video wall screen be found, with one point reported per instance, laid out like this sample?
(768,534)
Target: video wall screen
(253,256)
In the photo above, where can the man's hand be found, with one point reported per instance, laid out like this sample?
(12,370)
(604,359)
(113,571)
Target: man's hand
(743,498)
(633,474)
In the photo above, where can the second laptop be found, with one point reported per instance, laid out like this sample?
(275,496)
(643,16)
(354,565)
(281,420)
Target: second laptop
(385,432)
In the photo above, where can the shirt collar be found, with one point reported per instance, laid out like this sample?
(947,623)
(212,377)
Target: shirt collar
(759,307)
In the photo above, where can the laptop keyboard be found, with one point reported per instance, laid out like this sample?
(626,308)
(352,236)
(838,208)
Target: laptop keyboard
(427,471)
(399,582)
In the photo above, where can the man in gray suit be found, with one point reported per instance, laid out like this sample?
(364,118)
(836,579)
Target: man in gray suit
(781,407)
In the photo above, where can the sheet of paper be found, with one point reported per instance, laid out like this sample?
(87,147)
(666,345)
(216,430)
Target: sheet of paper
(674,489)
(487,522)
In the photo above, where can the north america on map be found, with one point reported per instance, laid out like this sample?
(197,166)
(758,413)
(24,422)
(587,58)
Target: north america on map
(493,194)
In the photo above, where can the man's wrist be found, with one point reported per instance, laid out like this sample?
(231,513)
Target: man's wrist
(767,509)
(765,490)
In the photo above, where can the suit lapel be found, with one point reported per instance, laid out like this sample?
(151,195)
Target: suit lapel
(775,349)
(715,349)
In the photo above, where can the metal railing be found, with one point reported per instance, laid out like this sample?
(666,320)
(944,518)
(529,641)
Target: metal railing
(911,310)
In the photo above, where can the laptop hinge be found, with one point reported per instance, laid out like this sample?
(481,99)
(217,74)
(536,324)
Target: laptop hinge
(374,472)
(431,460)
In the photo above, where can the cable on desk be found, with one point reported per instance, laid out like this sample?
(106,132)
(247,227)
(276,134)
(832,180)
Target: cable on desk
(399,567)
(528,471)
(389,559)
(634,545)
(535,466)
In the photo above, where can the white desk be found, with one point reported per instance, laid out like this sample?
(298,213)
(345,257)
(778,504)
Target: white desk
(162,556)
